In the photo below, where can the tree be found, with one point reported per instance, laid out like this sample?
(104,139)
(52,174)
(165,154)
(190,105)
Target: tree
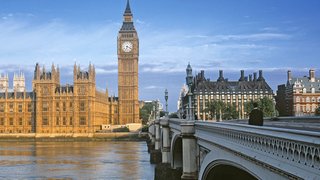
(145,112)
(248,106)
(230,112)
(267,107)
(318,111)
(265,104)
(211,109)
(220,110)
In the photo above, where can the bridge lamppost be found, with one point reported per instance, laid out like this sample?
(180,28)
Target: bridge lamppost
(189,83)
(166,98)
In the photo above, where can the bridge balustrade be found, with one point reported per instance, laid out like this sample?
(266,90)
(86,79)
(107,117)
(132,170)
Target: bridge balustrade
(262,152)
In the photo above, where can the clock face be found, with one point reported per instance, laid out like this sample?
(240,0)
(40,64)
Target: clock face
(127,46)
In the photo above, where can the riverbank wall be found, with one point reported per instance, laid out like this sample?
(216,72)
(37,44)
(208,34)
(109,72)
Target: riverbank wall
(113,136)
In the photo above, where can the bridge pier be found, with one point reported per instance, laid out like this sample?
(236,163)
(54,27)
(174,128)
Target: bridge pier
(189,148)
(163,171)
(165,141)
(151,141)
(155,155)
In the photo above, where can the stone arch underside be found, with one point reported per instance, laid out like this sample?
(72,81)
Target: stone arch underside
(176,151)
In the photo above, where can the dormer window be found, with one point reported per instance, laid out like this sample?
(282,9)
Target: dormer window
(304,90)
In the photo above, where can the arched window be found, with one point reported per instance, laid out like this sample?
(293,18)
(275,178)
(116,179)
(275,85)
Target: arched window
(312,90)
(313,99)
(307,99)
(314,107)
(298,99)
(304,90)
(307,107)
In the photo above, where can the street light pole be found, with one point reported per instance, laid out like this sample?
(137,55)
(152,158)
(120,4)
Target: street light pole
(166,98)
(189,83)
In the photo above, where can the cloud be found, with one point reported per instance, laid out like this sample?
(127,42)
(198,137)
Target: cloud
(252,37)
(55,41)
(153,87)
(140,21)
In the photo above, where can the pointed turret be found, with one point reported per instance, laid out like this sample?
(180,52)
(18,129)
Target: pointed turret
(128,9)
(127,19)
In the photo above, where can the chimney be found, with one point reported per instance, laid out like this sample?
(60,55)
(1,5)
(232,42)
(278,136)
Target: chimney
(202,74)
(250,77)
(242,75)
(220,75)
(312,75)
(289,74)
(260,78)
(254,76)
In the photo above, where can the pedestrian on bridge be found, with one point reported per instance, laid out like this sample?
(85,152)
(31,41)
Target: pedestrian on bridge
(256,116)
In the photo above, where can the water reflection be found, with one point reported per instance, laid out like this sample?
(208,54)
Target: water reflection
(75,160)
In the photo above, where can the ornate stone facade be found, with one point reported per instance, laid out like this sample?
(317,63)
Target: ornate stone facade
(128,55)
(52,108)
(300,96)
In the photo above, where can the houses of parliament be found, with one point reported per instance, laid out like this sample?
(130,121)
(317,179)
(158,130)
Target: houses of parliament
(79,108)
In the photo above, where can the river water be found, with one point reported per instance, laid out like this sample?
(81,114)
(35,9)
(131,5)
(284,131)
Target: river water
(75,160)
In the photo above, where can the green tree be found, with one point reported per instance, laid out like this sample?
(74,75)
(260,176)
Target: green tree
(211,109)
(145,112)
(220,110)
(248,106)
(265,104)
(230,111)
(318,111)
(267,107)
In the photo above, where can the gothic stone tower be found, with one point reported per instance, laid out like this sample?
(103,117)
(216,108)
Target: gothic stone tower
(128,55)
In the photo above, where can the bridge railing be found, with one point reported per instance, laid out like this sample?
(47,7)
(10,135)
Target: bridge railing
(297,150)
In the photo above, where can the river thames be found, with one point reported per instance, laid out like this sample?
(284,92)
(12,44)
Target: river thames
(75,160)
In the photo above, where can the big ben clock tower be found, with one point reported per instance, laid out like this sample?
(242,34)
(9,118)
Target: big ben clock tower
(128,55)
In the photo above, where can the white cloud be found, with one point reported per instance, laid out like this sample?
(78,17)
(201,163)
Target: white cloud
(25,43)
(140,21)
(252,37)
(153,87)
(162,51)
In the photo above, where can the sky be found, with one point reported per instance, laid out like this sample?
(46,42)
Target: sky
(269,35)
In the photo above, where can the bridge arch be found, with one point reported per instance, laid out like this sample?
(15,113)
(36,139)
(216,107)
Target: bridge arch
(176,151)
(221,162)
(222,169)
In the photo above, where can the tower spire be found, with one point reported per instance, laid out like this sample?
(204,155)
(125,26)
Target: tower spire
(128,10)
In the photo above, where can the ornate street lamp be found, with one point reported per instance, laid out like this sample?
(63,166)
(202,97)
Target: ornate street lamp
(166,98)
(189,83)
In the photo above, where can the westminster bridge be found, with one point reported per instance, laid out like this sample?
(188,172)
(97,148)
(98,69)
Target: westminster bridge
(283,149)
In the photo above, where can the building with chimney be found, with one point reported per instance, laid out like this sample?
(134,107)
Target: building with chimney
(300,96)
(235,93)
(53,108)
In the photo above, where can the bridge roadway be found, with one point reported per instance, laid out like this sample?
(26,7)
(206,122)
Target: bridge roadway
(286,148)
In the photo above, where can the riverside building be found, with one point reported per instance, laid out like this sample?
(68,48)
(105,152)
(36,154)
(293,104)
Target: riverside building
(235,93)
(300,96)
(78,108)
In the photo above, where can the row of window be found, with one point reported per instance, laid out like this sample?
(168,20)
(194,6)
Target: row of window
(245,92)
(82,106)
(307,108)
(11,107)
(64,121)
(304,90)
(307,99)
(222,97)
(11,121)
